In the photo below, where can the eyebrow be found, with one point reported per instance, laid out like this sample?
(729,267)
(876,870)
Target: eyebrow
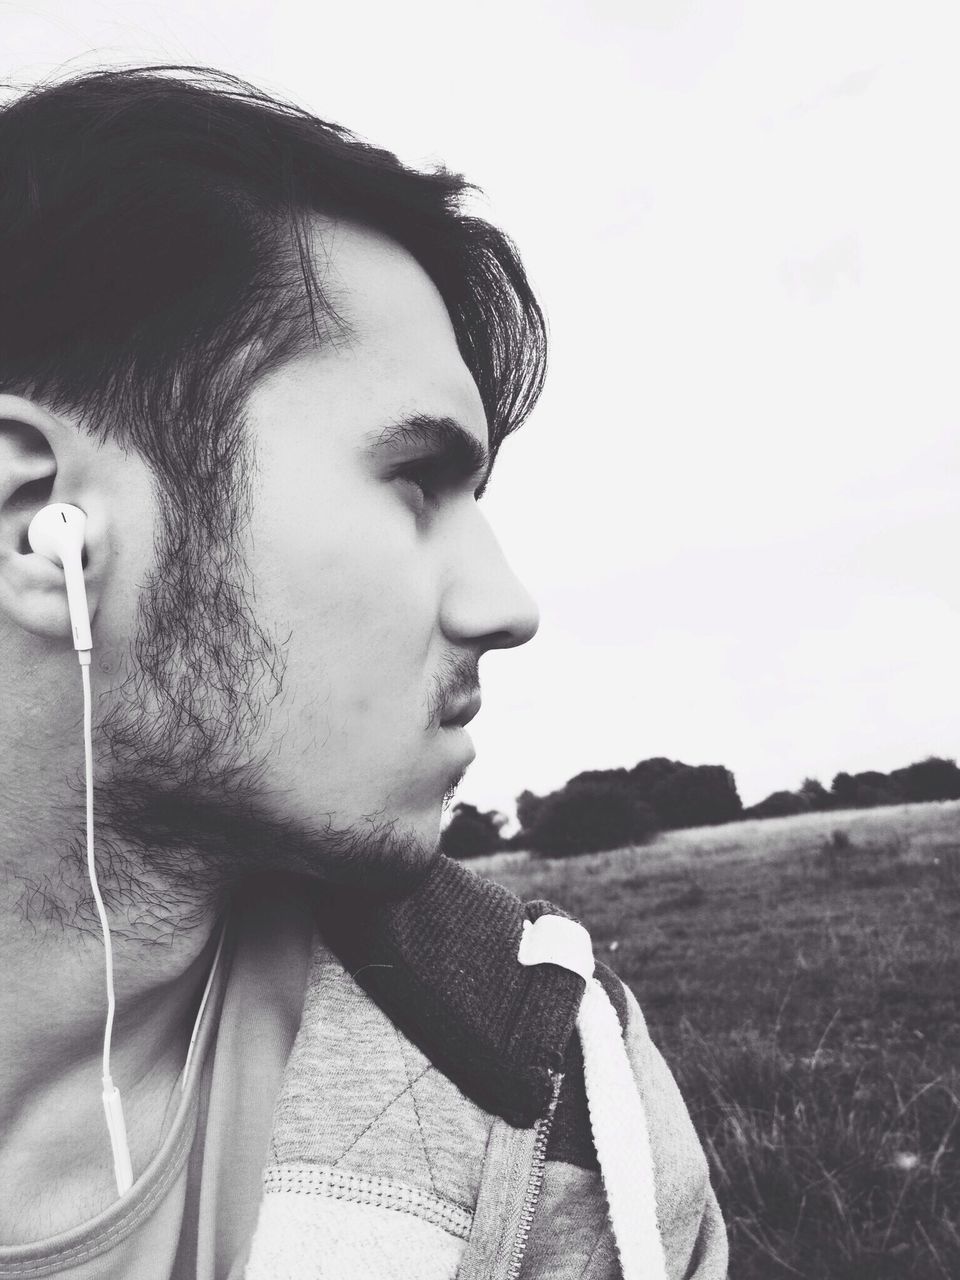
(458,450)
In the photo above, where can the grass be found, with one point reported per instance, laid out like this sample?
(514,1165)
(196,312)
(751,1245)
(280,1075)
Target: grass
(802,978)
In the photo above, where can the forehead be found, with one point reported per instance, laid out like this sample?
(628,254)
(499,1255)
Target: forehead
(394,341)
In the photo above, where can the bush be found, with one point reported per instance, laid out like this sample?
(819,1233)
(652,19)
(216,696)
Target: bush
(519,840)
(588,817)
(470,833)
(817,796)
(647,776)
(868,796)
(697,796)
(779,804)
(833,852)
(528,806)
(930,779)
(867,790)
(613,778)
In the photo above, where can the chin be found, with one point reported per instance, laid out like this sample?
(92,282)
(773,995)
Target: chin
(396,860)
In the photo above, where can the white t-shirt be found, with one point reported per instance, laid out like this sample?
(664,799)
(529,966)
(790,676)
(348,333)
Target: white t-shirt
(190,1214)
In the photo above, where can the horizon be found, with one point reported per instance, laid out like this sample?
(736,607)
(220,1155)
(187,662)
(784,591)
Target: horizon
(827,783)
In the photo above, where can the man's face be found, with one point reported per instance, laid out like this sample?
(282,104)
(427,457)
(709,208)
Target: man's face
(389,600)
(381,602)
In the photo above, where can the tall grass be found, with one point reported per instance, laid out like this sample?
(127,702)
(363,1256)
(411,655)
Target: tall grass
(802,978)
(824,1168)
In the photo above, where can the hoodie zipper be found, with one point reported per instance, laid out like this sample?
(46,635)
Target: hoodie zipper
(535,1181)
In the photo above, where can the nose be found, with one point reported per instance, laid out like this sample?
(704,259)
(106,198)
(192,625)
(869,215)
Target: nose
(483,600)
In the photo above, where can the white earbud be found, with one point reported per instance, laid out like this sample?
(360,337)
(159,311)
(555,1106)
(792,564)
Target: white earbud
(57,532)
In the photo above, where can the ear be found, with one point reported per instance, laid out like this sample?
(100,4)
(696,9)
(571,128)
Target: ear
(42,460)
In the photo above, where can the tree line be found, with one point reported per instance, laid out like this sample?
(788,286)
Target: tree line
(610,808)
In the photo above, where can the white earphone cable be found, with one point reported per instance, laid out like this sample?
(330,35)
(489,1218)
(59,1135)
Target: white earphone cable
(91,864)
(112,1106)
(203,1004)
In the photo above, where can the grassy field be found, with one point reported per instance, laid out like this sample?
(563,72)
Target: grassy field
(802,977)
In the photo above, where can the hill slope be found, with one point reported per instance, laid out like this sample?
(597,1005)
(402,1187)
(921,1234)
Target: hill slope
(805,987)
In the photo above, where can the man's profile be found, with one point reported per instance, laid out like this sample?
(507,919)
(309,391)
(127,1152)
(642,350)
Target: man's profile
(274,367)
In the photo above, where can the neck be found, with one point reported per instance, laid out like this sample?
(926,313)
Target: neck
(53,1008)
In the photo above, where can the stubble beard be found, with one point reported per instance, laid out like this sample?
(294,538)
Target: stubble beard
(181,810)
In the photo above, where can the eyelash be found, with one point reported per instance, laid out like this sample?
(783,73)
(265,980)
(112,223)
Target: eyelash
(428,476)
(423,475)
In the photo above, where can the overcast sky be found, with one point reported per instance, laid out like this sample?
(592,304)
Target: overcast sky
(736,503)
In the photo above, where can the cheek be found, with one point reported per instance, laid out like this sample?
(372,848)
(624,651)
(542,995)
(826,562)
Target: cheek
(363,610)
(341,568)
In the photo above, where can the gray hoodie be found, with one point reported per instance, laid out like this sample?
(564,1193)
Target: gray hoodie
(470,1096)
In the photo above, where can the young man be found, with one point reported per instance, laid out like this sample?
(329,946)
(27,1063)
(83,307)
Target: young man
(273,367)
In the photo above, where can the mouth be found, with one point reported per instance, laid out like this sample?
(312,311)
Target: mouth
(463,714)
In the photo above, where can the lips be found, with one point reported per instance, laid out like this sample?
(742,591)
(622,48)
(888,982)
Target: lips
(462,713)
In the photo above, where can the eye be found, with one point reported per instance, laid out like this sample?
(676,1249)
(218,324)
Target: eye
(425,477)
(436,477)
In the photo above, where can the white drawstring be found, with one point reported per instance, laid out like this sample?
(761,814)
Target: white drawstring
(616,1111)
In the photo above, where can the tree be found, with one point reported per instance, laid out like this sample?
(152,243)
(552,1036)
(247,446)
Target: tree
(866,790)
(589,817)
(779,804)
(604,777)
(697,796)
(843,790)
(816,794)
(930,779)
(650,774)
(470,833)
(528,806)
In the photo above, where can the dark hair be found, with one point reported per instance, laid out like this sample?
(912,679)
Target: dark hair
(154,262)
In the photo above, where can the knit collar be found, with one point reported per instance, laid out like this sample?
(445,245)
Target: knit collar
(441,961)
